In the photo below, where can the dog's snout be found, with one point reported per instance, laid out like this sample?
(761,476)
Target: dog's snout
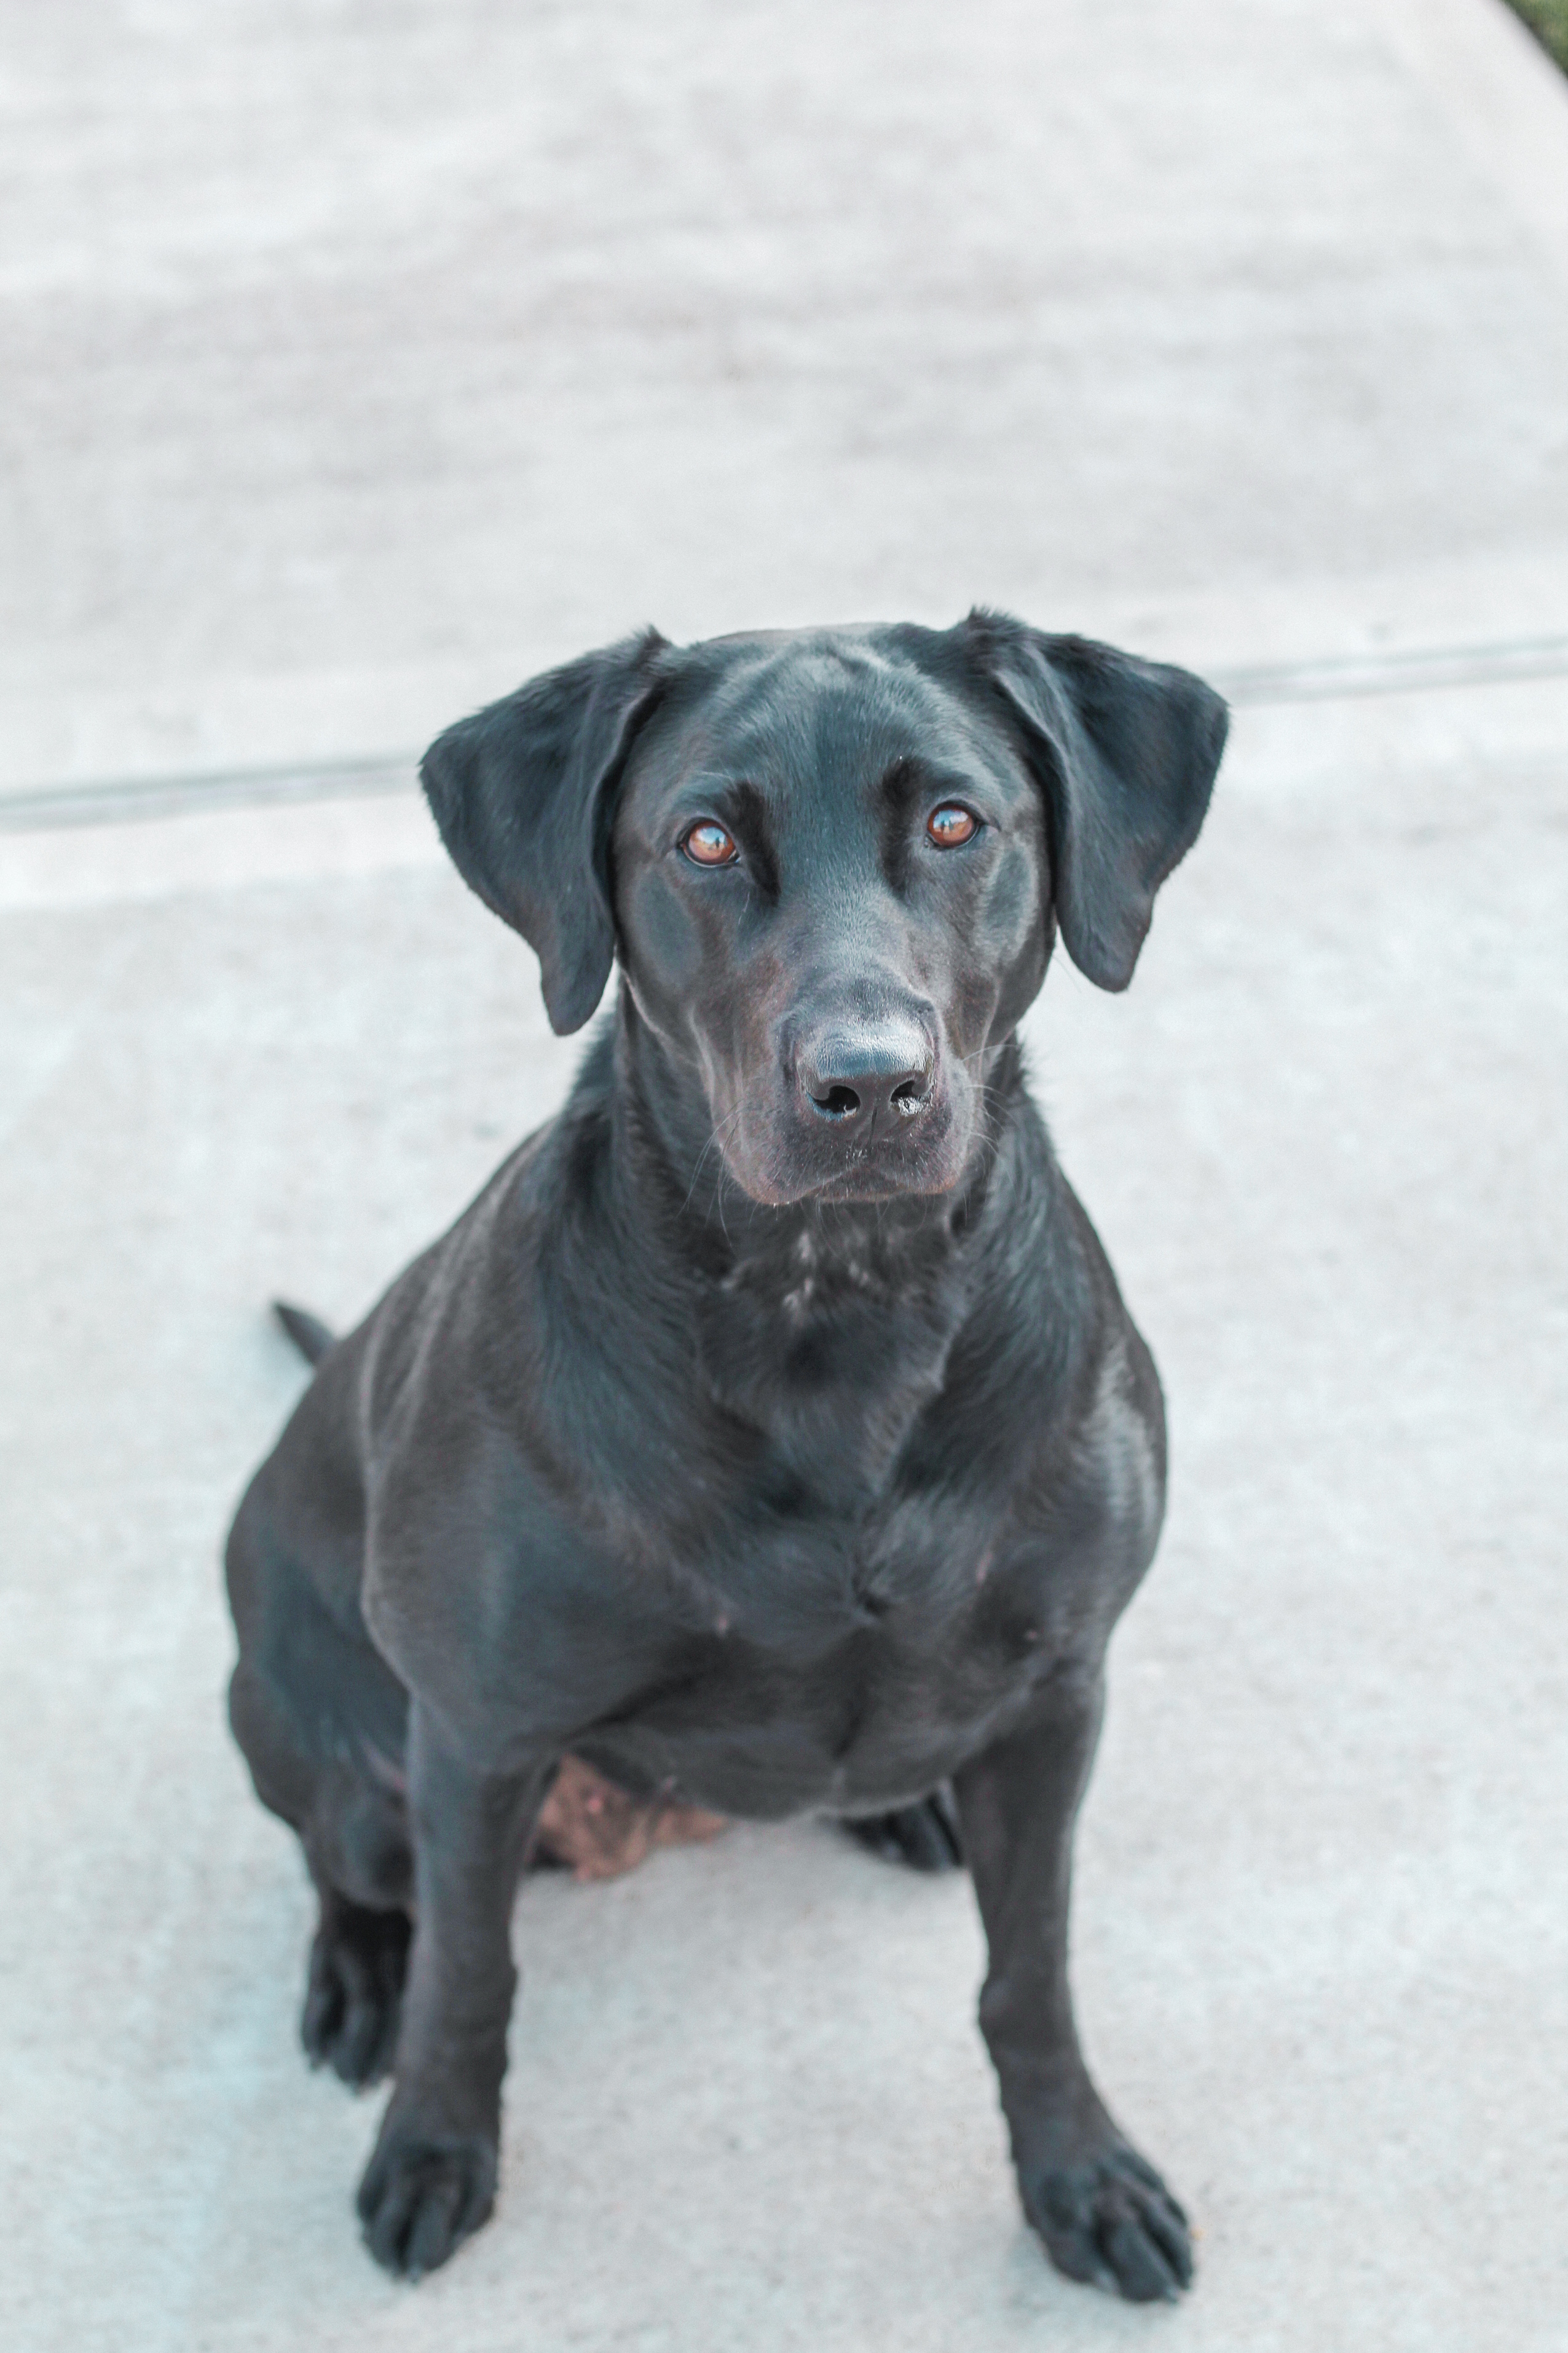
(849,1075)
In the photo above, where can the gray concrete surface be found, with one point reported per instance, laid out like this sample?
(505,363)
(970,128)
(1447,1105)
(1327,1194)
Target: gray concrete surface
(359,359)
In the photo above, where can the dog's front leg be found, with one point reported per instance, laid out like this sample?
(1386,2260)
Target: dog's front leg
(432,2177)
(1101,2210)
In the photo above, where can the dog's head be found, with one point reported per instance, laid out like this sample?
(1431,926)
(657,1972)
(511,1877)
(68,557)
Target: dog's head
(833,863)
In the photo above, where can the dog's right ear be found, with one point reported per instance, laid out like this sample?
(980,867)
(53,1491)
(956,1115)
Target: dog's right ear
(522,794)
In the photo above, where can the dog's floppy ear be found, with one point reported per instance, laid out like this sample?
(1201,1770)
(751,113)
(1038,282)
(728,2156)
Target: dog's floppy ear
(522,793)
(1126,752)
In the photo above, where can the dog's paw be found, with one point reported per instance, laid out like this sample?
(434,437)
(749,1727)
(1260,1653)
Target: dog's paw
(1109,2221)
(924,1836)
(353,1991)
(423,2194)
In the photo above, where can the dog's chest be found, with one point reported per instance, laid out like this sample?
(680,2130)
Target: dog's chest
(854,1626)
(830,1356)
(843,1673)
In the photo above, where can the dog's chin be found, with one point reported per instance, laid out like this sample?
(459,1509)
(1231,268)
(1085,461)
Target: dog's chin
(781,1175)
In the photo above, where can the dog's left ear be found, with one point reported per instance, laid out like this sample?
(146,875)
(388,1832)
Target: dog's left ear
(1126,752)
(522,794)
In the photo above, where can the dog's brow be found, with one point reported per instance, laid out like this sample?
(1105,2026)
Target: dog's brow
(912,775)
(901,779)
(746,806)
(903,782)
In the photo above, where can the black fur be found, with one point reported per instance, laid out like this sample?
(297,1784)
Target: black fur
(769,1432)
(308,1332)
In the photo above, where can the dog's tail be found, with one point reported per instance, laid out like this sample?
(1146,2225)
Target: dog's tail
(308,1332)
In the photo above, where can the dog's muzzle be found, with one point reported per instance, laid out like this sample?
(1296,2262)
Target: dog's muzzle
(862,1081)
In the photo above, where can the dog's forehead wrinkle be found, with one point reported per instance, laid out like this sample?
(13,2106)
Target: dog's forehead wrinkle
(826,707)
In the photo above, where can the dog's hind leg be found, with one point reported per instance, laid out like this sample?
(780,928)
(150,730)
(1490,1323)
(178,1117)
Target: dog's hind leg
(357,1844)
(321,1720)
(353,1987)
(353,1990)
(925,1836)
(354,1833)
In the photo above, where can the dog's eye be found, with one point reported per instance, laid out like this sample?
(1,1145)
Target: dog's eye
(708,845)
(951,825)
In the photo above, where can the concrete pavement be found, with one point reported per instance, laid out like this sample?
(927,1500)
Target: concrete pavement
(358,362)
(362,362)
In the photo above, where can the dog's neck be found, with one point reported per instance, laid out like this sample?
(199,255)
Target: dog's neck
(825,1325)
(667,1147)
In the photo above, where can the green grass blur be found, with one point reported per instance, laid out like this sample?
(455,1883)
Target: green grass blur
(1548,20)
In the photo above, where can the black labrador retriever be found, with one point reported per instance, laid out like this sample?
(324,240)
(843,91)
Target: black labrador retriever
(770,1434)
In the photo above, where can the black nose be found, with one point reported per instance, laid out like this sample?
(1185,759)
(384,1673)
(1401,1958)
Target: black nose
(851,1074)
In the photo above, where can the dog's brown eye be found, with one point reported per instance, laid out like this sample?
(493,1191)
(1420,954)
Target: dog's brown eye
(951,825)
(710,845)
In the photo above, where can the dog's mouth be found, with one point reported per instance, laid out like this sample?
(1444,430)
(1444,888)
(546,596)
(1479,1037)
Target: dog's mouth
(778,1159)
(868,1180)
